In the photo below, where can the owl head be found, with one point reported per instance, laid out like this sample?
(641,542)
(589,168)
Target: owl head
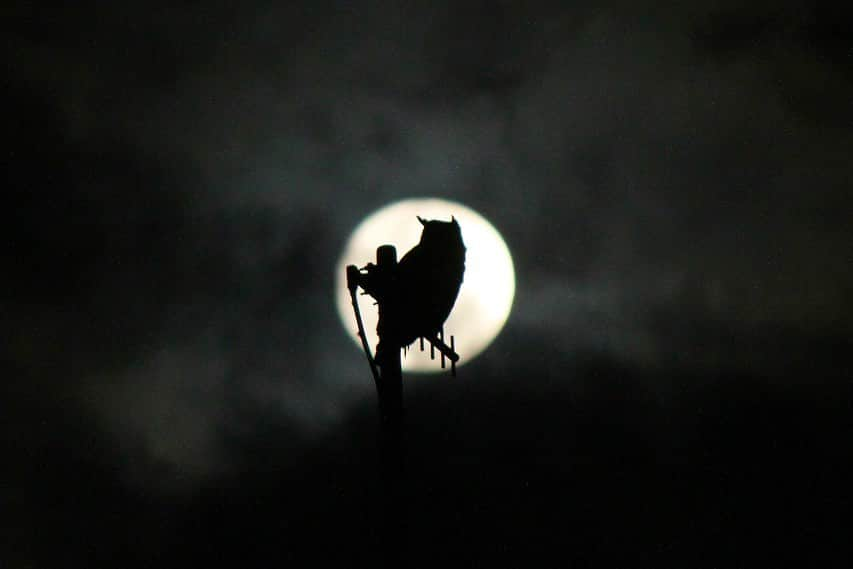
(441,233)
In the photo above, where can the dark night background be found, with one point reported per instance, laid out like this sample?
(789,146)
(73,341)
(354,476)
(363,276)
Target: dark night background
(673,387)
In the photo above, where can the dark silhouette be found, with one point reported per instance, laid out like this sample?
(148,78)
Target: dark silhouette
(415,297)
(418,293)
(428,278)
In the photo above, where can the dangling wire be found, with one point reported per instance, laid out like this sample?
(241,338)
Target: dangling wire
(352,285)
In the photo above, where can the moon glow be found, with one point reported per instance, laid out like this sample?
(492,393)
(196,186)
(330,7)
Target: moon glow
(488,287)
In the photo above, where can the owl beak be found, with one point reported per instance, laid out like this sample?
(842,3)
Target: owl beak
(423,222)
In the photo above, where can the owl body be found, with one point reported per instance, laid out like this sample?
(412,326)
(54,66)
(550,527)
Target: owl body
(428,280)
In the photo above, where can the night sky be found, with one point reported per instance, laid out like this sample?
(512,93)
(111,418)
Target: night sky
(672,389)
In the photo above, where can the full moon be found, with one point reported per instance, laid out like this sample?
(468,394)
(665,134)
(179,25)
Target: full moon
(488,286)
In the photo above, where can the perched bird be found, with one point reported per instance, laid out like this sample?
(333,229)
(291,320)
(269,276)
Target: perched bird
(420,293)
(428,279)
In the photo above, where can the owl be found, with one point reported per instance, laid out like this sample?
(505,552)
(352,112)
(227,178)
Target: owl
(418,296)
(428,279)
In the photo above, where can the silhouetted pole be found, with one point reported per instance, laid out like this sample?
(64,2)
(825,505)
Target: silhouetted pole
(380,281)
(414,298)
(390,385)
(389,389)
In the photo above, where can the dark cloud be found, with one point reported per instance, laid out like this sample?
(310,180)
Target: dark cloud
(674,185)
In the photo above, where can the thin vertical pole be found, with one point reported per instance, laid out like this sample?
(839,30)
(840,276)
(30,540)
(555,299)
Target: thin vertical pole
(390,386)
(389,389)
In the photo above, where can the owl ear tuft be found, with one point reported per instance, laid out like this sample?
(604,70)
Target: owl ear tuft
(423,222)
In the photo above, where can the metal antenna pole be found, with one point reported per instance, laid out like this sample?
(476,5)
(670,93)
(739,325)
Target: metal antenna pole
(390,386)
(389,389)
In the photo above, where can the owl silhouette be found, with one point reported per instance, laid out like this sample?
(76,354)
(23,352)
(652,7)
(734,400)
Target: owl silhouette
(421,291)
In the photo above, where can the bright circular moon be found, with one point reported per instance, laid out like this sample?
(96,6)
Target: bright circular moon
(488,286)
